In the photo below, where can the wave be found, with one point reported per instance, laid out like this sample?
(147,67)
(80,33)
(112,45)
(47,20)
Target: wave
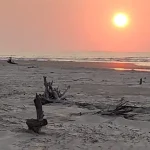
(83,59)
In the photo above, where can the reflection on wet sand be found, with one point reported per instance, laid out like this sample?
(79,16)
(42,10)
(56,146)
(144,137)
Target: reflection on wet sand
(124,69)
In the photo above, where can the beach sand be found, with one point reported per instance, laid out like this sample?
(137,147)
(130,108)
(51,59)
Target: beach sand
(66,129)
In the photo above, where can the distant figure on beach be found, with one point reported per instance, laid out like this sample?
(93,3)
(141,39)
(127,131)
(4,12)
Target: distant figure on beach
(10,61)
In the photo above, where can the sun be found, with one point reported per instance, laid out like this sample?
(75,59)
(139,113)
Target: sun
(120,20)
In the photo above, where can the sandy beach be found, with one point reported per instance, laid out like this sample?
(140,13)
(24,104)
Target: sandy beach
(91,83)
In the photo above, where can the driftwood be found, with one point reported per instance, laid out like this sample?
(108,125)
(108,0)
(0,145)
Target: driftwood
(36,124)
(10,61)
(120,110)
(141,81)
(51,94)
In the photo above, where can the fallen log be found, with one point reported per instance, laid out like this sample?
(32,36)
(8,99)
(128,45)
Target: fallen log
(36,124)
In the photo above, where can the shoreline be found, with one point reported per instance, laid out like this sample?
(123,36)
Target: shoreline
(118,66)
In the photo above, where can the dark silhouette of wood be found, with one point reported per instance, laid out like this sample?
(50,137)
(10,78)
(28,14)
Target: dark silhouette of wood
(36,124)
(38,106)
(10,61)
(120,110)
(51,94)
(141,81)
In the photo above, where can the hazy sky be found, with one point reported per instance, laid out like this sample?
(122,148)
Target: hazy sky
(45,26)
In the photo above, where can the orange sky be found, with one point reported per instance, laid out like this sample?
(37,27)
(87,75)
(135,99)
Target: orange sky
(53,25)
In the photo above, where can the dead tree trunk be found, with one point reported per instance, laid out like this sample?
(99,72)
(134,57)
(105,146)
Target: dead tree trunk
(36,124)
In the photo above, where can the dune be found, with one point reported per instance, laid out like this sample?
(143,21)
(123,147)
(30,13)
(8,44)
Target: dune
(70,126)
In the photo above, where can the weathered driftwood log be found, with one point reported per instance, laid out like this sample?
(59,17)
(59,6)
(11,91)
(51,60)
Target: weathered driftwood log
(51,94)
(38,106)
(10,61)
(37,124)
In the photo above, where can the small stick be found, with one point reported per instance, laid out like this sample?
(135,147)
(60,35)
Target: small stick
(65,91)
(141,81)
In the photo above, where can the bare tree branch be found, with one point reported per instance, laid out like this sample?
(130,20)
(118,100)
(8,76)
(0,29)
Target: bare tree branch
(51,94)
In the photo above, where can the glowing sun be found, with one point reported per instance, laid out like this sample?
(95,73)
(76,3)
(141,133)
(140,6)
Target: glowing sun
(120,20)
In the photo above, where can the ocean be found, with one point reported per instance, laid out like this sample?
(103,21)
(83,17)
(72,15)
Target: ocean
(138,58)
